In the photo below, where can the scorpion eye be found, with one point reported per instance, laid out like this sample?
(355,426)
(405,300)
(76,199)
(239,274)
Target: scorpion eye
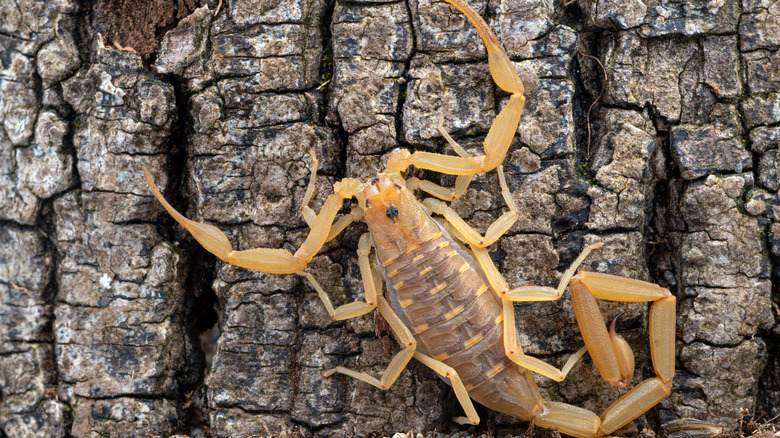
(392,213)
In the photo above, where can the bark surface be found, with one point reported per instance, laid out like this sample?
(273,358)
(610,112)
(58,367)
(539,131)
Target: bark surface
(113,322)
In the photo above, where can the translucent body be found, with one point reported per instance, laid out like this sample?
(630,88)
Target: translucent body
(442,295)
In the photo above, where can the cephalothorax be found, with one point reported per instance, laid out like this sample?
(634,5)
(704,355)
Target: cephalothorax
(448,306)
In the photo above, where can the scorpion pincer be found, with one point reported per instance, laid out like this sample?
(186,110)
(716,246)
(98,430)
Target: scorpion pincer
(448,306)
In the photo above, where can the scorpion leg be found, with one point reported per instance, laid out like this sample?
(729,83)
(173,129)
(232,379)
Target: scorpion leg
(274,261)
(530,293)
(310,216)
(515,352)
(511,346)
(457,385)
(355,214)
(478,244)
(357,308)
(399,362)
(461,183)
(454,144)
(471,236)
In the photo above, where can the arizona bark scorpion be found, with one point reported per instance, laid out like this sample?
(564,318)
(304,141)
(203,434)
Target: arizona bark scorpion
(448,306)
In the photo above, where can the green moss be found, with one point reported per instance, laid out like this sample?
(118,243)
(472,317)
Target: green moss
(326,64)
(326,69)
(740,203)
(585,172)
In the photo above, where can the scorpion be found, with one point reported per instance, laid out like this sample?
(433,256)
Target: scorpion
(446,303)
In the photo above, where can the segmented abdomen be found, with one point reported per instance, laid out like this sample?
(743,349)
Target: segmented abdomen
(442,296)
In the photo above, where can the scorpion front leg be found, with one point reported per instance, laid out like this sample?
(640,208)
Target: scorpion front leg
(461,183)
(466,231)
(370,287)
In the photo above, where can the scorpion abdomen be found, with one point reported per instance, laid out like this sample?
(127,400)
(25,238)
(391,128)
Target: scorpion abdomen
(442,295)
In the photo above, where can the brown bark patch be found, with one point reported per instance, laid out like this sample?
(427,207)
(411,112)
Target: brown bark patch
(139,25)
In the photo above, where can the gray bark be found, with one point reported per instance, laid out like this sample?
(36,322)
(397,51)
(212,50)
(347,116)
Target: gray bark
(113,322)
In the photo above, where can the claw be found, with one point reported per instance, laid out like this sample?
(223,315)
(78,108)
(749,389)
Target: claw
(623,354)
(208,236)
(504,73)
(269,260)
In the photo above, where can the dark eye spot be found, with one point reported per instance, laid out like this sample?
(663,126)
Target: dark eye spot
(398,186)
(392,213)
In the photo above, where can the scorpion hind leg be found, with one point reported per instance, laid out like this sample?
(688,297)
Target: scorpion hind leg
(448,372)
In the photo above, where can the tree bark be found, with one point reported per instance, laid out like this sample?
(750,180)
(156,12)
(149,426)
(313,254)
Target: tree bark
(114,322)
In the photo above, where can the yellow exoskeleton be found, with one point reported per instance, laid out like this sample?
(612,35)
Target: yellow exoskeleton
(449,307)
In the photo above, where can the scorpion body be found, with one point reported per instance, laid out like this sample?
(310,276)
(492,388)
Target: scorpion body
(443,296)
(446,303)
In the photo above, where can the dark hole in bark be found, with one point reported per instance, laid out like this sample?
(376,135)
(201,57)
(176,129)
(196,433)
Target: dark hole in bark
(140,24)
